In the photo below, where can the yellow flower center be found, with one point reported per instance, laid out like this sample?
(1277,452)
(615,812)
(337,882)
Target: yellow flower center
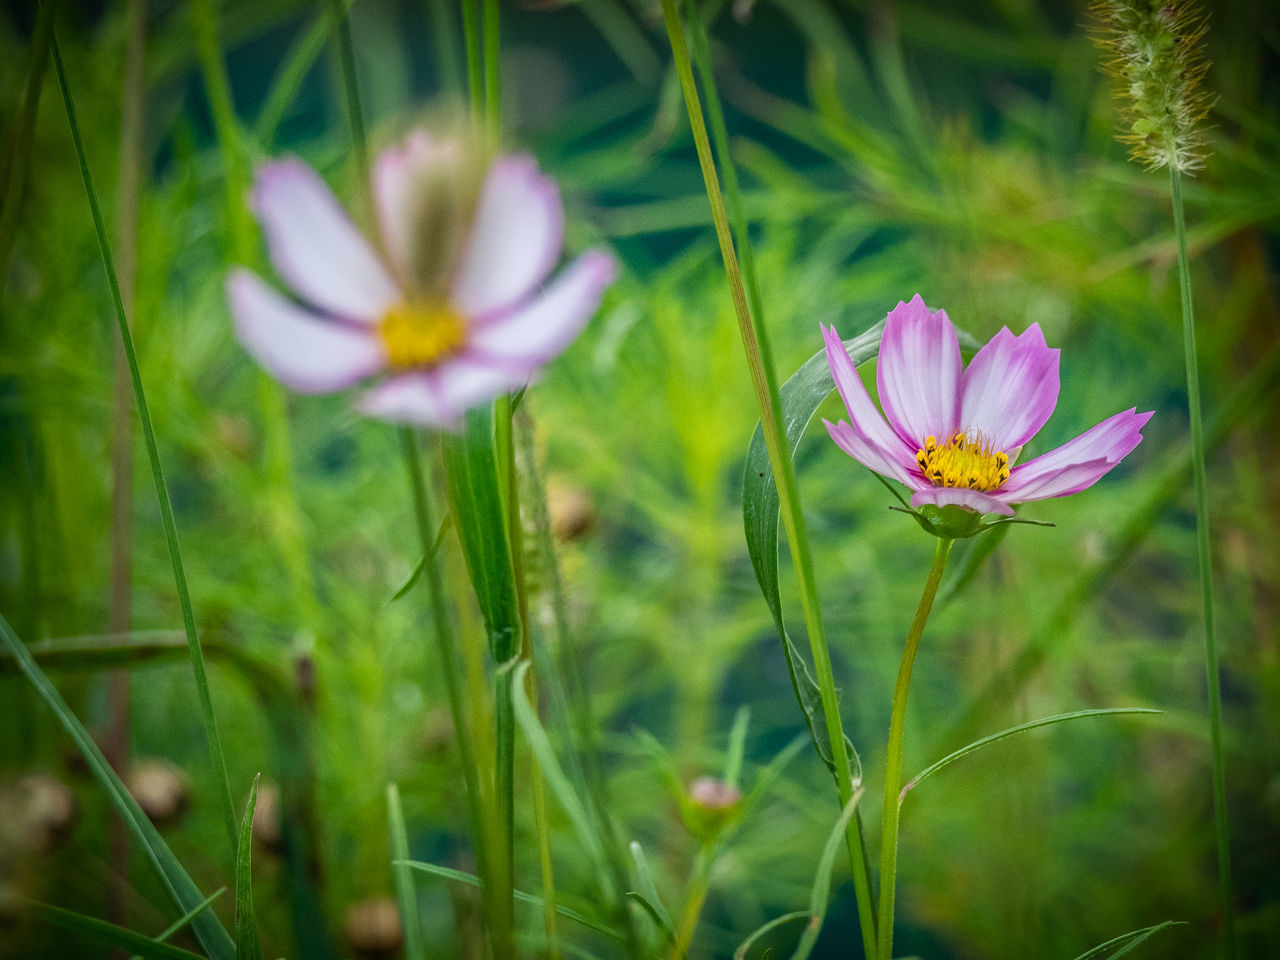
(421,334)
(965,460)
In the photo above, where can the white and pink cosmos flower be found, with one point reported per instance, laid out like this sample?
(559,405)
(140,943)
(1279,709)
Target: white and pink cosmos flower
(952,435)
(447,311)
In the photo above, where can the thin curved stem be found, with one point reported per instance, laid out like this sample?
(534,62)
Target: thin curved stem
(763,382)
(893,762)
(1205,563)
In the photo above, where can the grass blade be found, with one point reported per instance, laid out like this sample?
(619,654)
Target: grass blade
(472,880)
(185,919)
(157,471)
(820,895)
(1020,728)
(405,894)
(1126,942)
(139,943)
(206,926)
(247,945)
(648,896)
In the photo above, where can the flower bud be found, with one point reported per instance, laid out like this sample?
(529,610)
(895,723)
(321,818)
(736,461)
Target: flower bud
(710,805)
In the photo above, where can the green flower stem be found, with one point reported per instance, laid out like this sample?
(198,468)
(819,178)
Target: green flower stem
(893,762)
(764,384)
(699,886)
(214,740)
(1206,572)
(492,51)
(446,644)
(471,38)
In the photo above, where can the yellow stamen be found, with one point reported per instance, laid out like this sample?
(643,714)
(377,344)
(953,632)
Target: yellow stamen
(965,460)
(421,334)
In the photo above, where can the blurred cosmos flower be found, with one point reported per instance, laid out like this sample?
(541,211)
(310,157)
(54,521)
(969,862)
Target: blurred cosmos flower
(953,436)
(449,308)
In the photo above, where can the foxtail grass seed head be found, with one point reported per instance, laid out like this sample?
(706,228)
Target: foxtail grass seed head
(1157,62)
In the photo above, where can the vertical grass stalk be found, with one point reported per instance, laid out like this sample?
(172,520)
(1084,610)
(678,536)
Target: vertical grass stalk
(1205,563)
(765,387)
(116,745)
(893,761)
(212,737)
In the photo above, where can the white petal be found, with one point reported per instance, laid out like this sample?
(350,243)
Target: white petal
(867,453)
(1078,463)
(546,325)
(515,240)
(302,350)
(438,397)
(867,420)
(1010,388)
(316,247)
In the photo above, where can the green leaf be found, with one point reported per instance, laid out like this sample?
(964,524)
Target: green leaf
(1020,728)
(558,782)
(820,895)
(765,929)
(800,398)
(479,514)
(472,880)
(416,575)
(247,945)
(405,895)
(105,932)
(185,919)
(1126,942)
(205,924)
(648,896)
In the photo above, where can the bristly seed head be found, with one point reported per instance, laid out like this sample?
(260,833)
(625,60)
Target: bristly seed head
(964,460)
(1157,61)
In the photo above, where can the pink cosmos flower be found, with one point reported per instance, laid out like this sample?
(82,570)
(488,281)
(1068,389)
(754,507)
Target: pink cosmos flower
(952,436)
(448,311)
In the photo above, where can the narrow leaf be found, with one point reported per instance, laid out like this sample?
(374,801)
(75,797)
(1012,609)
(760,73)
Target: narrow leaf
(1126,942)
(247,945)
(648,896)
(557,781)
(186,918)
(480,517)
(205,924)
(109,933)
(472,880)
(765,929)
(405,894)
(820,895)
(1020,728)
(800,398)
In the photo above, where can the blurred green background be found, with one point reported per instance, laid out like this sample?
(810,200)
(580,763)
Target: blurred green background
(962,151)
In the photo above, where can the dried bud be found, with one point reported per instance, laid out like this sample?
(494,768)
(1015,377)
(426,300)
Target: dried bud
(373,928)
(161,789)
(1157,62)
(570,511)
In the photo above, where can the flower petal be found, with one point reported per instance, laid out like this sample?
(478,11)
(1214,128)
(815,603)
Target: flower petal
(515,241)
(546,325)
(1010,388)
(918,373)
(298,348)
(316,247)
(867,453)
(867,420)
(398,178)
(440,396)
(1078,463)
(962,496)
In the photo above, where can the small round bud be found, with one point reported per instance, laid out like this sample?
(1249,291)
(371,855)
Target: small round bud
(711,805)
(373,928)
(161,789)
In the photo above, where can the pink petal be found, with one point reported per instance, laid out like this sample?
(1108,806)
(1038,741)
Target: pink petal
(401,178)
(1078,463)
(918,373)
(867,453)
(316,247)
(1010,388)
(867,420)
(975,500)
(298,348)
(542,328)
(438,397)
(515,241)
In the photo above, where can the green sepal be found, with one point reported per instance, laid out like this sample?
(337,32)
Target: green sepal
(954,522)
